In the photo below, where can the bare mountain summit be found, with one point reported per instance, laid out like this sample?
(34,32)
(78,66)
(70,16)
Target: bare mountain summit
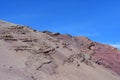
(27,54)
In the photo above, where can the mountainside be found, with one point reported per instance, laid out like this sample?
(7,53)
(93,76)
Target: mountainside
(27,54)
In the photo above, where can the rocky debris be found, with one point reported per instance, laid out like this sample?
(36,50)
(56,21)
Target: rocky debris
(22,48)
(79,58)
(28,40)
(43,64)
(55,34)
(91,45)
(8,37)
(48,51)
(51,33)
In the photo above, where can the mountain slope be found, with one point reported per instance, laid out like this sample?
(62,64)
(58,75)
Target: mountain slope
(27,54)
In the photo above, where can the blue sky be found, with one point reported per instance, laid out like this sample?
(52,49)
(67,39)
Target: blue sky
(97,19)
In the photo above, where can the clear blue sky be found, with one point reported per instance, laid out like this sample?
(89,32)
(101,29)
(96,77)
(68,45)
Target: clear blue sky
(97,19)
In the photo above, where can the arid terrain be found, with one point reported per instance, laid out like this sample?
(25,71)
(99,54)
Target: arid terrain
(27,54)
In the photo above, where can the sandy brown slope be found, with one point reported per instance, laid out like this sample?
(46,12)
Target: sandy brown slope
(26,54)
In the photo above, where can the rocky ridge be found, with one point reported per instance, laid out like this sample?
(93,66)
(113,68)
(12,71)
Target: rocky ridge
(46,55)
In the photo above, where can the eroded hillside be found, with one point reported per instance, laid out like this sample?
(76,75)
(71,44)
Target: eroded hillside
(27,54)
